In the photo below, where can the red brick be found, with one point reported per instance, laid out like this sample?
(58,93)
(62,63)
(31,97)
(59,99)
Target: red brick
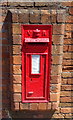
(16,88)
(64,81)
(67,81)
(67,74)
(66,104)
(61,16)
(56,60)
(68,48)
(55,88)
(35,14)
(16,69)
(0,27)
(0,10)
(66,93)
(67,3)
(16,39)
(58,116)
(23,16)
(3,3)
(54,97)
(41,3)
(20,3)
(66,99)
(5,101)
(14,106)
(55,105)
(67,62)
(14,15)
(57,39)
(16,29)
(16,59)
(4,81)
(45,16)
(5,68)
(53,16)
(69,19)
(1,114)
(68,55)
(68,68)
(4,41)
(4,35)
(66,110)
(29,4)
(5,76)
(24,106)
(16,49)
(4,28)
(12,3)
(3,88)
(67,87)
(34,106)
(56,69)
(69,115)
(16,97)
(3,18)
(57,49)
(71,10)
(4,48)
(68,41)
(4,11)
(49,106)
(69,27)
(70,81)
(55,79)
(5,62)
(5,55)
(58,28)
(42,106)
(16,78)
(68,35)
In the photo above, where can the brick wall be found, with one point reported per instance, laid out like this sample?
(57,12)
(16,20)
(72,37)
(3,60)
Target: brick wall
(60,16)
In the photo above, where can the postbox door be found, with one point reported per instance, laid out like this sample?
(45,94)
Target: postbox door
(36,76)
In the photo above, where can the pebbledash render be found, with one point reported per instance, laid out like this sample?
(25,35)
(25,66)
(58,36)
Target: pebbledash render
(60,16)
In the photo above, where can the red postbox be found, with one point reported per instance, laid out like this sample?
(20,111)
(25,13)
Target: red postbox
(36,61)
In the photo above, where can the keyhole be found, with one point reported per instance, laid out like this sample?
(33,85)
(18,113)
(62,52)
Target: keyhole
(31,79)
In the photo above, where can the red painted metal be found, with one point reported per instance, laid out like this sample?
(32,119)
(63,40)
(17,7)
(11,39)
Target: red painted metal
(36,40)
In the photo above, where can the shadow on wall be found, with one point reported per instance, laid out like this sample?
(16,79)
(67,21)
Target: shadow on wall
(5,66)
(72,73)
(32,114)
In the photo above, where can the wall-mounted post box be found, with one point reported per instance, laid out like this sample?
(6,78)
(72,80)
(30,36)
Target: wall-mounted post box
(36,60)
